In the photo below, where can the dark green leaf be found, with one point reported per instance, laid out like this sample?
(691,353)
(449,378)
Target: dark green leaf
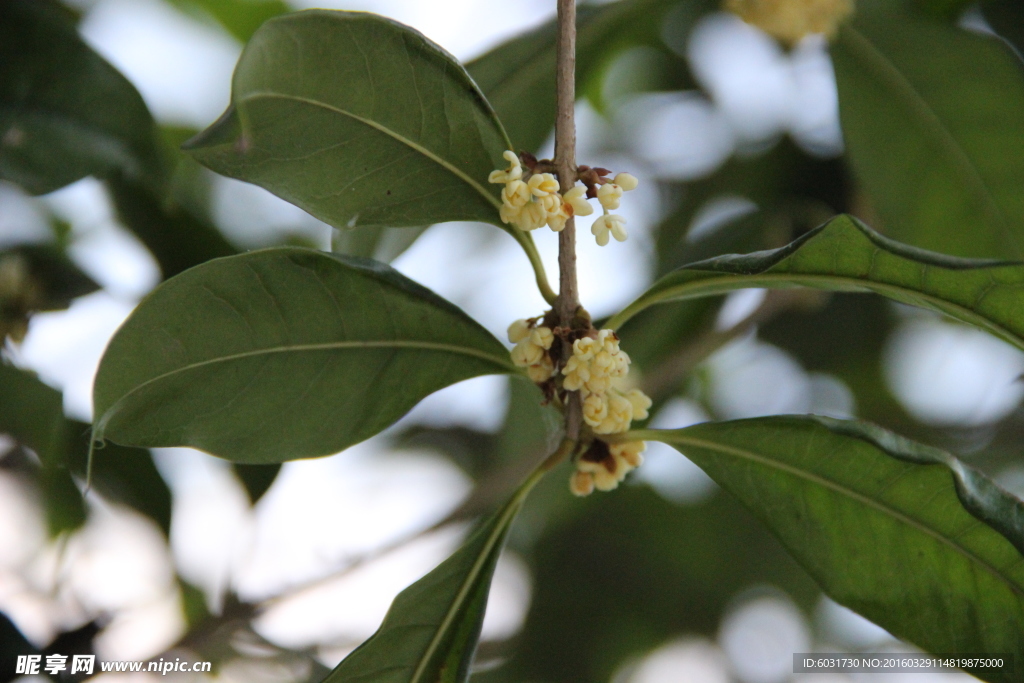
(127,475)
(177,239)
(904,534)
(257,479)
(360,121)
(62,501)
(36,278)
(430,633)
(618,575)
(280,354)
(845,255)
(933,118)
(1007,18)
(32,413)
(65,113)
(241,18)
(518,77)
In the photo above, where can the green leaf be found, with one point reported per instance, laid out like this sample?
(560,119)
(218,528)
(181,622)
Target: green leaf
(429,634)
(32,413)
(280,354)
(622,574)
(380,244)
(360,121)
(240,18)
(933,118)
(905,534)
(257,479)
(844,255)
(65,113)
(1007,18)
(522,70)
(176,237)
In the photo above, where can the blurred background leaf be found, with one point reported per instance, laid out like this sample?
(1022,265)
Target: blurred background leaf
(65,112)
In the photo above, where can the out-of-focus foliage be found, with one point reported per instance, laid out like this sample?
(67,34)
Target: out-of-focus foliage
(931,116)
(65,113)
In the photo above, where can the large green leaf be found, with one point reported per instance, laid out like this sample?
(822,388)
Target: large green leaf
(518,76)
(430,633)
(359,120)
(65,113)
(280,354)
(933,118)
(845,255)
(905,534)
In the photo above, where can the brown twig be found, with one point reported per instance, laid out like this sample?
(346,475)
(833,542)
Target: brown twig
(565,163)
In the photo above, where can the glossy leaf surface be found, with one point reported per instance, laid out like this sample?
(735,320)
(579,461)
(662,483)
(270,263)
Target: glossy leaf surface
(360,121)
(845,255)
(430,633)
(904,534)
(65,113)
(281,354)
(933,119)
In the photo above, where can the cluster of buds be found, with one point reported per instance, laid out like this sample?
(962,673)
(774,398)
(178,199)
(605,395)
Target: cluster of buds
(791,20)
(604,465)
(530,198)
(594,363)
(532,344)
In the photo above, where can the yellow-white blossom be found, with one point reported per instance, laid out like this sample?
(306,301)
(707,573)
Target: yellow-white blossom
(513,172)
(594,363)
(610,195)
(543,185)
(606,473)
(531,349)
(609,224)
(577,199)
(626,181)
(791,20)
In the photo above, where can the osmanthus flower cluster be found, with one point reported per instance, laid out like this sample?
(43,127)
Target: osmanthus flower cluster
(595,366)
(791,20)
(530,198)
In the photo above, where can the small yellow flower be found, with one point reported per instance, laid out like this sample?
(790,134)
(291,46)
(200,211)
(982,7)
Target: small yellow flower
(543,185)
(609,195)
(612,224)
(577,199)
(791,20)
(513,172)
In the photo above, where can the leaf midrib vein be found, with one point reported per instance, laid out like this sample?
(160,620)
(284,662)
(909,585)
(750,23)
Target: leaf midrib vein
(302,348)
(843,490)
(451,168)
(507,515)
